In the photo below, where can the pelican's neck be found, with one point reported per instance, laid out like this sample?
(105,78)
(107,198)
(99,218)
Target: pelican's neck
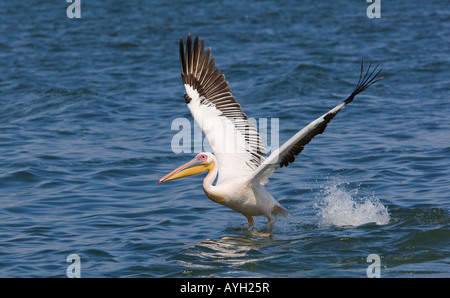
(212,174)
(208,186)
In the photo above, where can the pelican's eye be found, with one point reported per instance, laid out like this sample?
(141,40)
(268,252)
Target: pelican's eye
(203,157)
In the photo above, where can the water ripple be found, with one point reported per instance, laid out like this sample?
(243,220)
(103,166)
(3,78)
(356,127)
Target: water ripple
(85,134)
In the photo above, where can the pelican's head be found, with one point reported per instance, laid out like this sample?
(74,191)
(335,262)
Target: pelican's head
(202,162)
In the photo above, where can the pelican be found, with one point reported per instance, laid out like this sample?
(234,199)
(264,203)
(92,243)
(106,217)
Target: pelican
(238,161)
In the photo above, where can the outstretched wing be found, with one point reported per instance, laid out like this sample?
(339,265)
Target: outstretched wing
(285,155)
(234,139)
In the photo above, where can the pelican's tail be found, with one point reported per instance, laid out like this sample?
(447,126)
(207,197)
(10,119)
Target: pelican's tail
(278,210)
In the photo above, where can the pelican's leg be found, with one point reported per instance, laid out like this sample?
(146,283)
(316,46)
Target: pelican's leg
(270,223)
(250,221)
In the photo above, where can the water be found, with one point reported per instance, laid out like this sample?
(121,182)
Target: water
(85,134)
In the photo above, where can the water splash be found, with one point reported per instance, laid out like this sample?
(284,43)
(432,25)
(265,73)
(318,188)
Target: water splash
(341,207)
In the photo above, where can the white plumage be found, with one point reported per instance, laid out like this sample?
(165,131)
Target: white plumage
(238,161)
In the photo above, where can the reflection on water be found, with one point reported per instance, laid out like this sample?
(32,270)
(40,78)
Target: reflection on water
(238,252)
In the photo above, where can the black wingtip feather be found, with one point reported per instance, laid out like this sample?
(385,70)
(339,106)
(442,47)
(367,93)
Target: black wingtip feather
(365,81)
(182,58)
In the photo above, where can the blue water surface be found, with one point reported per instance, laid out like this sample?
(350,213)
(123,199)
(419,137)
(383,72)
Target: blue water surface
(87,104)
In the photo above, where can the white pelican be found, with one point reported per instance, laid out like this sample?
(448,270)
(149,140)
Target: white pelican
(238,150)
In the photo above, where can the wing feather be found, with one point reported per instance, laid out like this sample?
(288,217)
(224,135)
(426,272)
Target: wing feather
(235,141)
(285,155)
